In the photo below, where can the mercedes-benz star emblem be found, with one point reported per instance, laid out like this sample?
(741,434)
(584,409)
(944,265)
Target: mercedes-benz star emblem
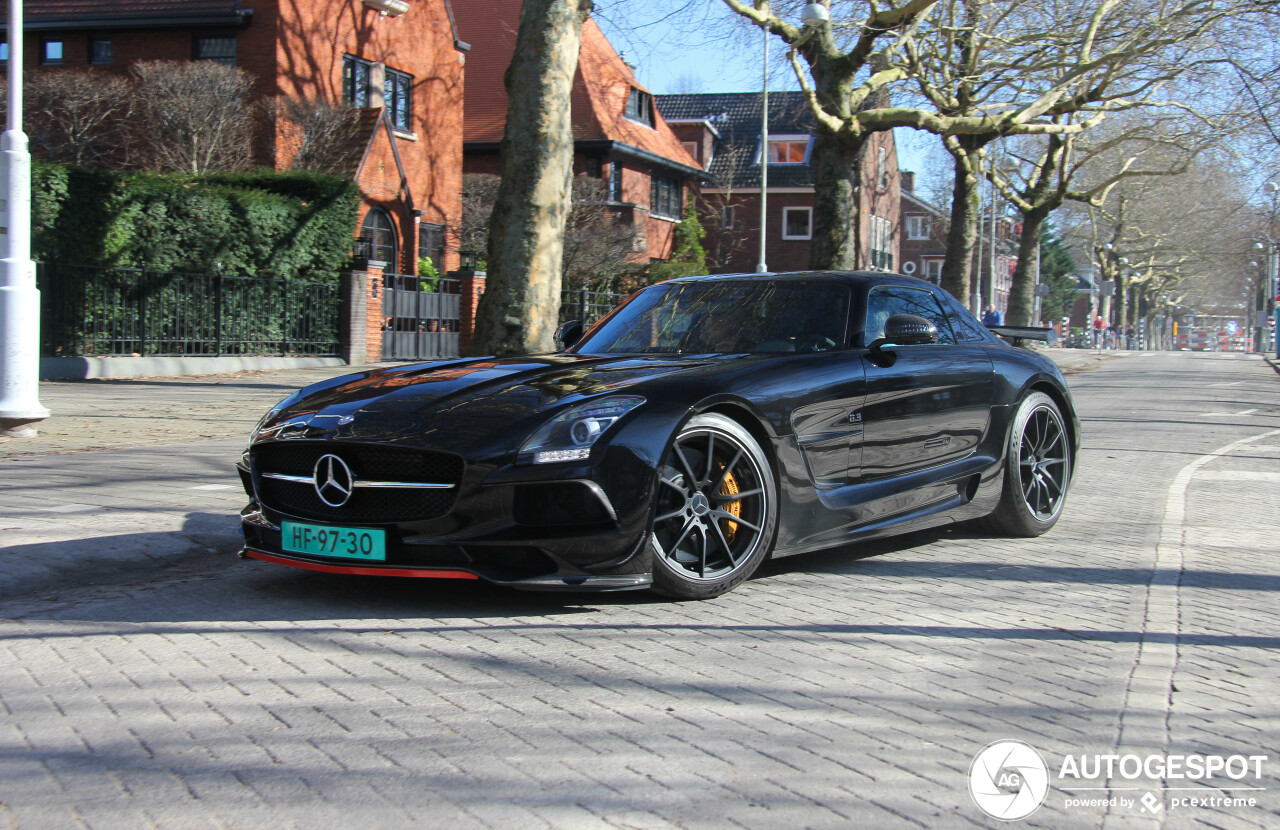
(333,480)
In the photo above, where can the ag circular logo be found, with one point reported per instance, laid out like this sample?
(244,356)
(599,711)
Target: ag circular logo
(1008,780)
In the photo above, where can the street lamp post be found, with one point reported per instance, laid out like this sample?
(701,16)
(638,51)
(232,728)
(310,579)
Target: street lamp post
(761,266)
(19,300)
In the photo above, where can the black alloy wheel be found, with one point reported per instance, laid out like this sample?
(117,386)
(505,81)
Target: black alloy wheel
(715,510)
(1037,469)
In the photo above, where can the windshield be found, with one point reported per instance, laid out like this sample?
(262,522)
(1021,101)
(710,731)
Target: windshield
(726,317)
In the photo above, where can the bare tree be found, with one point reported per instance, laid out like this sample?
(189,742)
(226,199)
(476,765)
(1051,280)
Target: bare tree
(1184,238)
(78,116)
(521,304)
(979,70)
(327,136)
(599,244)
(479,194)
(197,116)
(1046,172)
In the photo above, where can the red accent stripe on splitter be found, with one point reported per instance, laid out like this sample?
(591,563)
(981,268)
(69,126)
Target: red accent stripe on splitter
(428,573)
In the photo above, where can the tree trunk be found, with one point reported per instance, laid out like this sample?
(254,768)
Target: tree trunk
(1119,310)
(1022,291)
(966,202)
(836,162)
(521,305)
(837,171)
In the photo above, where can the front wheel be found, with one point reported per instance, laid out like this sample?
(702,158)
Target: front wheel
(1037,470)
(715,510)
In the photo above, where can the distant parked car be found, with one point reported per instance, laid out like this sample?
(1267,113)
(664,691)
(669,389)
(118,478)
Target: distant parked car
(707,424)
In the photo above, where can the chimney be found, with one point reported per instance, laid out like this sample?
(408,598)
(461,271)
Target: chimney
(908,181)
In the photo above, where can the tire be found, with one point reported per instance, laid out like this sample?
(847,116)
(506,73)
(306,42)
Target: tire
(715,511)
(1037,470)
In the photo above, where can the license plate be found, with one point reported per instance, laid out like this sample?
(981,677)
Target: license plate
(368,544)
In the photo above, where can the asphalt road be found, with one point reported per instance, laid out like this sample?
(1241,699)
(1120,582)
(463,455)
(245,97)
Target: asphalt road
(850,688)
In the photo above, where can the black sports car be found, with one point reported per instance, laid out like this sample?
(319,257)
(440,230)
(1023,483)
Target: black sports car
(704,425)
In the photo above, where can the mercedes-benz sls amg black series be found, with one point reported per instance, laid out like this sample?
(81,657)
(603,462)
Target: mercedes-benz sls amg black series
(706,424)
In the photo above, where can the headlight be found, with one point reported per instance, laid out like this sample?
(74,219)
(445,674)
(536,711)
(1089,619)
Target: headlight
(571,434)
(271,413)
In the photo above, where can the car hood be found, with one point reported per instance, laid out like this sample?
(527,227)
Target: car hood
(462,399)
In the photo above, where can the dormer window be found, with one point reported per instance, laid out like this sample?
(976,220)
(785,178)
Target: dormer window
(788,149)
(640,107)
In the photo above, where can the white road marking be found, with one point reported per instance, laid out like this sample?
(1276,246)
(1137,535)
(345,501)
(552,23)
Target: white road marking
(214,487)
(71,508)
(1144,716)
(1227,414)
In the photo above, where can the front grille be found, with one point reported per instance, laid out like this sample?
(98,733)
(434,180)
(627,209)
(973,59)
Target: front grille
(367,463)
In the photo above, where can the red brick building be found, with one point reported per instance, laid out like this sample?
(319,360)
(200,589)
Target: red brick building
(724,130)
(924,233)
(401,61)
(620,136)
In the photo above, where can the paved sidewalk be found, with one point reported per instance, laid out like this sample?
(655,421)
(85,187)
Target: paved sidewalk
(130,474)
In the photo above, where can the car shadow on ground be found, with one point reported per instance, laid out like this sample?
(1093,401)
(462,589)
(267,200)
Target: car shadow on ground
(210,584)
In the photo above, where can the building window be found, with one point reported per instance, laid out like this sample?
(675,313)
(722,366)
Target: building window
(615,182)
(51,52)
(397,96)
(4,52)
(691,147)
(99,50)
(431,244)
(356,86)
(727,216)
(880,254)
(377,241)
(367,84)
(665,198)
(797,223)
(217,48)
(882,168)
(788,149)
(593,167)
(640,106)
(933,271)
(917,227)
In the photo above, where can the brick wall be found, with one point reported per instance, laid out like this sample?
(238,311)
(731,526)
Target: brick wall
(374,292)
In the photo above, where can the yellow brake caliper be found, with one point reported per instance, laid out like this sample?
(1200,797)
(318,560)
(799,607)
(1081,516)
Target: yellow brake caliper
(730,488)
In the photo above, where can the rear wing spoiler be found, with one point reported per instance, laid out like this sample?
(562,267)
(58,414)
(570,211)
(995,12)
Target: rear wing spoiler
(1017,334)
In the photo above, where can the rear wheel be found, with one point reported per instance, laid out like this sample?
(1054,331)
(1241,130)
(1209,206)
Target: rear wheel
(1037,470)
(715,510)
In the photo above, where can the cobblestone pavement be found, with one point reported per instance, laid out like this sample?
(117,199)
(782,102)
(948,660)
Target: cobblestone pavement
(843,689)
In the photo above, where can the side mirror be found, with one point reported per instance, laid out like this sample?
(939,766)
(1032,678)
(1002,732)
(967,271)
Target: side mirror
(568,333)
(909,330)
(902,330)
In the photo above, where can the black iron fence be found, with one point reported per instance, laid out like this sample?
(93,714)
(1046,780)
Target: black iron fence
(587,306)
(94,311)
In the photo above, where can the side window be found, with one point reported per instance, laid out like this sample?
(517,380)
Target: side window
(966,327)
(887,300)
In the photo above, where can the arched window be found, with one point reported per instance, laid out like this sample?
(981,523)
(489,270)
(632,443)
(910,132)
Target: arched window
(378,237)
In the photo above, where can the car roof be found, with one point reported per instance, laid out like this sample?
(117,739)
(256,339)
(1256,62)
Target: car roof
(864,277)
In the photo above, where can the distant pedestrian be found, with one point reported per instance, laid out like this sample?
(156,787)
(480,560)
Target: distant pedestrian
(993,317)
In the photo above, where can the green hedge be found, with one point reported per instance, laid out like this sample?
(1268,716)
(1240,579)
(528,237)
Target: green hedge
(260,224)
